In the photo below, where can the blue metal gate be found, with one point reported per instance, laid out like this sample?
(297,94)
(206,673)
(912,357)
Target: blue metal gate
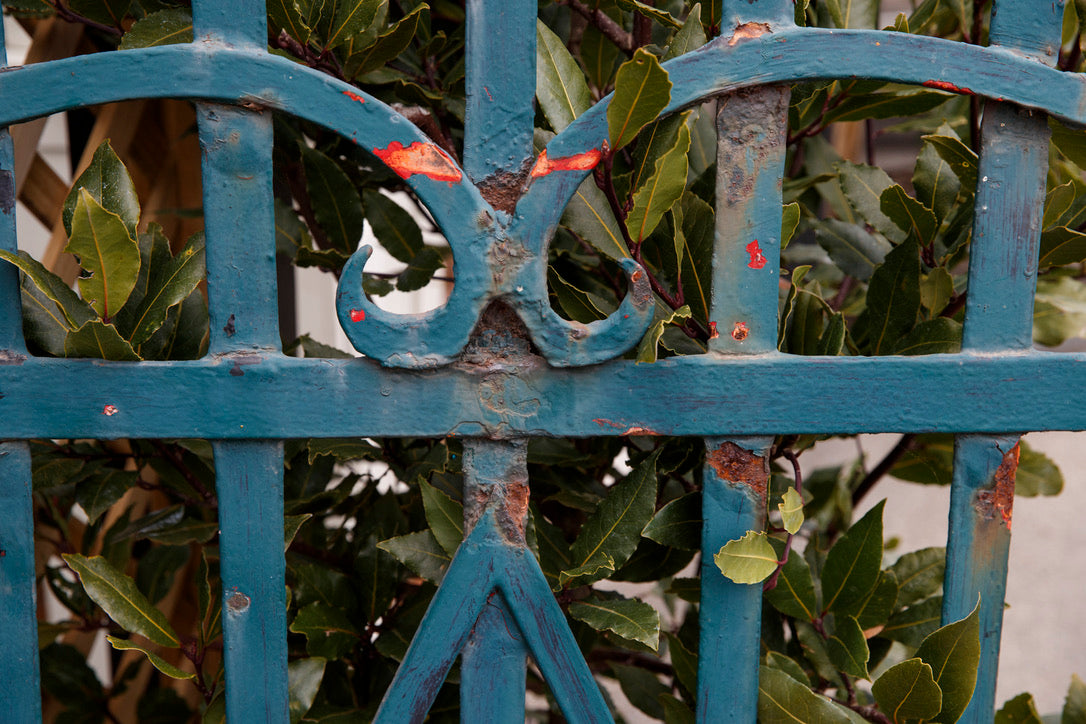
(425,375)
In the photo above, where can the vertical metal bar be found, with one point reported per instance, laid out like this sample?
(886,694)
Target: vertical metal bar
(998,317)
(493,663)
(751,132)
(500,76)
(239,218)
(18,609)
(11,322)
(250,493)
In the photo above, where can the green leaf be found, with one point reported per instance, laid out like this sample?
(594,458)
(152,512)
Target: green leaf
(648,347)
(578,305)
(335,201)
(108,182)
(75,311)
(780,662)
(642,91)
(961,159)
(649,11)
(642,688)
(879,605)
(122,601)
(1060,246)
(421,553)
(677,524)
(655,142)
(691,35)
(853,563)
(157,661)
(627,618)
(393,226)
(107,12)
(1058,202)
(1074,705)
(936,184)
(907,692)
(352,17)
(935,336)
(1036,474)
(953,652)
(600,567)
(589,216)
(97,493)
(560,86)
(908,214)
(328,630)
(856,251)
(164,27)
(614,529)
(304,678)
(698,225)
(388,45)
(445,516)
(791,508)
(685,662)
(1019,710)
(98,340)
(421,269)
(863,186)
(343,448)
(847,647)
(789,223)
(885,105)
(915,623)
(105,249)
(750,559)
(285,15)
(675,711)
(794,594)
(169,284)
(936,289)
(1059,310)
(783,700)
(660,190)
(919,574)
(893,298)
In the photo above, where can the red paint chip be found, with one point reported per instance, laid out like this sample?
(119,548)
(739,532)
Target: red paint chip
(713,334)
(740,332)
(419,159)
(354,96)
(109,410)
(757,258)
(945,86)
(357,315)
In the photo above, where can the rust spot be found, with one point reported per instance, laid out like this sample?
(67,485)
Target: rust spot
(748,31)
(629,429)
(236,370)
(7,191)
(229,329)
(739,465)
(740,332)
(999,499)
(237,602)
(358,315)
(419,159)
(945,86)
(713,333)
(354,96)
(757,258)
(503,189)
(636,276)
(3,553)
(578,162)
(109,410)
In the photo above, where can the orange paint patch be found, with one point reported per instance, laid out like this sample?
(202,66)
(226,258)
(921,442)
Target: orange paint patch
(354,96)
(740,331)
(713,334)
(578,162)
(109,410)
(757,258)
(421,159)
(945,86)
(357,315)
(747,31)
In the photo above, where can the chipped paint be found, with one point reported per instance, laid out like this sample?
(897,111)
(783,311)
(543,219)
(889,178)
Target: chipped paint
(109,410)
(740,466)
(999,499)
(626,429)
(419,159)
(238,602)
(757,258)
(740,331)
(946,86)
(354,96)
(748,31)
(713,333)
(578,162)
(358,315)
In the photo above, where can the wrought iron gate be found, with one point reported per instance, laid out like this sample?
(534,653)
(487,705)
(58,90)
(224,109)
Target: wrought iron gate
(463,370)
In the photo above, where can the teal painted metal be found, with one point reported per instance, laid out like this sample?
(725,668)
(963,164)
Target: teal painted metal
(494,607)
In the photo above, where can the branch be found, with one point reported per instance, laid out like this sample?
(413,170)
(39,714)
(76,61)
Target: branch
(603,22)
(72,17)
(771,582)
(903,446)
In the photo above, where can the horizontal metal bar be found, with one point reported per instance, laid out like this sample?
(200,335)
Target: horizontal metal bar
(271,396)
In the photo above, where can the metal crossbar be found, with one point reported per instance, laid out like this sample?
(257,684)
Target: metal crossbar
(424,375)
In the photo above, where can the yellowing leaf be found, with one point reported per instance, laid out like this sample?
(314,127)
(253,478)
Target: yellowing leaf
(750,559)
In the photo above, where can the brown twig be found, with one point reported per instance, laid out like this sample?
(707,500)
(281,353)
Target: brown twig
(69,16)
(903,446)
(603,22)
